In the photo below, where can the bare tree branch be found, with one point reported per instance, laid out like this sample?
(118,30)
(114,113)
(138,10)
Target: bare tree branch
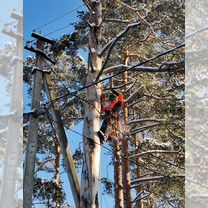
(107,13)
(133,96)
(118,37)
(138,196)
(164,67)
(43,163)
(118,20)
(157,152)
(145,120)
(130,87)
(89,9)
(138,101)
(111,45)
(141,180)
(119,87)
(144,21)
(143,128)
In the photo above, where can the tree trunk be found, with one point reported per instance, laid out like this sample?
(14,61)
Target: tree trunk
(118,186)
(136,160)
(125,151)
(91,141)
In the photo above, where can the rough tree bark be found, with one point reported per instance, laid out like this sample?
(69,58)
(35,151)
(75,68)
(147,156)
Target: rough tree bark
(125,151)
(119,197)
(91,142)
(118,186)
(136,160)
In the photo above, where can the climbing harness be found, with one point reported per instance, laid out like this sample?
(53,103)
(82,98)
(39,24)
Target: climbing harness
(111,114)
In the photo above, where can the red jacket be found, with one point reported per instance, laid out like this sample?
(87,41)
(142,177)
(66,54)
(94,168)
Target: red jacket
(120,99)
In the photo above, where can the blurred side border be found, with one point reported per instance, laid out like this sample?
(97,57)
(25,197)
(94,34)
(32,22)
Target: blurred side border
(11,105)
(196,103)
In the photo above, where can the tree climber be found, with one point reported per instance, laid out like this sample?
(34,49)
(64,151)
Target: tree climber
(111,112)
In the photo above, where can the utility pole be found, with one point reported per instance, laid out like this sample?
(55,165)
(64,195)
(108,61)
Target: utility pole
(65,147)
(14,138)
(125,148)
(58,123)
(29,168)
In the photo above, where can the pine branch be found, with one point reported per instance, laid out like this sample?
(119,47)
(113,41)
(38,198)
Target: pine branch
(43,163)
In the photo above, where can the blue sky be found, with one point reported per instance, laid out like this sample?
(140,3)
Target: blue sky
(37,14)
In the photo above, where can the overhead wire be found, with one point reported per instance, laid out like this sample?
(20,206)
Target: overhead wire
(85,86)
(59,29)
(53,20)
(100,81)
(124,135)
(118,73)
(57,18)
(112,151)
(65,87)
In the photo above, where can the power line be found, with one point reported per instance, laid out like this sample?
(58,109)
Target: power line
(52,32)
(196,32)
(76,132)
(117,129)
(116,74)
(53,20)
(61,28)
(125,136)
(91,140)
(83,100)
(59,17)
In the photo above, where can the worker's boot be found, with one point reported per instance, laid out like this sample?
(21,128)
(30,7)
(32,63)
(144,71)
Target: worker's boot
(101,136)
